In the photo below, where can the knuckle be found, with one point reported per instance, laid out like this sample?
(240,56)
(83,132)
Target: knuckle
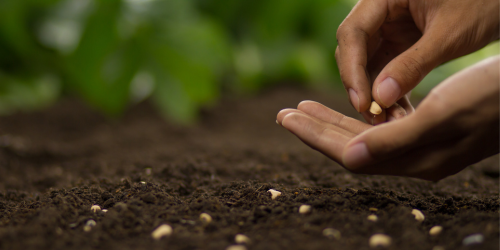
(414,67)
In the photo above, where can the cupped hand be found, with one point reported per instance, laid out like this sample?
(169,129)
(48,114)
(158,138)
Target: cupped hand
(386,47)
(456,125)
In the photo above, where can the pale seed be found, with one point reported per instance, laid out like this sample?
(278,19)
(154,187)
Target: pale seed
(95,208)
(304,209)
(381,240)
(206,218)
(375,109)
(241,239)
(161,231)
(372,217)
(274,193)
(419,216)
(435,230)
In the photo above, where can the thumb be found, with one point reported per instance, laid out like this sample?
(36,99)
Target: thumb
(405,71)
(382,142)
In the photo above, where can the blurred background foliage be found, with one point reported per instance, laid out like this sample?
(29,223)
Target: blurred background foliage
(183,54)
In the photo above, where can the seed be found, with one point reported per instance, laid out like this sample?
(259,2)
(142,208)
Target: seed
(473,239)
(88,226)
(236,247)
(331,233)
(241,239)
(419,216)
(274,193)
(206,218)
(375,108)
(95,208)
(104,210)
(304,209)
(435,230)
(143,182)
(372,209)
(372,217)
(163,230)
(381,240)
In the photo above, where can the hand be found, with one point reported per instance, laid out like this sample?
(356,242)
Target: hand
(393,44)
(456,125)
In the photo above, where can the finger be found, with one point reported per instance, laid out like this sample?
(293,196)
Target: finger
(285,112)
(327,141)
(374,119)
(333,117)
(395,112)
(384,141)
(405,71)
(353,37)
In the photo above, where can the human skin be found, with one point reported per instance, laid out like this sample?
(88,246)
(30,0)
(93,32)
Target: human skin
(456,125)
(386,47)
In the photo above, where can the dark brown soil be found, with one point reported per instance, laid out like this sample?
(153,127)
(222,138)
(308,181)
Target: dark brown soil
(55,164)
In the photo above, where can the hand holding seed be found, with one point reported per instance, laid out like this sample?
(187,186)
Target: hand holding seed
(436,141)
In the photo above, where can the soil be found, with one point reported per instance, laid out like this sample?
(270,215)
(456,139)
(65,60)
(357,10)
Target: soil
(55,164)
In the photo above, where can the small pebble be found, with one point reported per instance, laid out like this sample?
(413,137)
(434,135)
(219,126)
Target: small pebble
(372,217)
(274,193)
(380,240)
(161,231)
(419,216)
(206,218)
(473,239)
(435,230)
(305,209)
(331,233)
(236,247)
(241,239)
(95,208)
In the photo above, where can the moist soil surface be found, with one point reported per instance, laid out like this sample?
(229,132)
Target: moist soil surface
(55,164)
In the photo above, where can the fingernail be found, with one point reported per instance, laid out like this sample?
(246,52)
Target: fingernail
(354,98)
(357,155)
(388,92)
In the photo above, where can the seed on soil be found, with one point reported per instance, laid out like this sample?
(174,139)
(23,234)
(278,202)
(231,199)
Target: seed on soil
(236,247)
(419,216)
(372,217)
(473,239)
(161,231)
(88,226)
(274,193)
(143,182)
(372,209)
(375,109)
(305,209)
(95,208)
(380,240)
(331,233)
(206,218)
(435,230)
(241,239)
(104,210)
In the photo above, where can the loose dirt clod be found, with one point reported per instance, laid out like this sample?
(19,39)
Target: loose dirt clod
(95,208)
(236,247)
(473,239)
(331,233)
(304,209)
(380,240)
(375,109)
(274,193)
(161,231)
(435,230)
(206,218)
(419,216)
(242,239)
(372,217)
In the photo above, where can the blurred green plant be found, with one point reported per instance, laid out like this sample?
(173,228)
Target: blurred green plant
(179,53)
